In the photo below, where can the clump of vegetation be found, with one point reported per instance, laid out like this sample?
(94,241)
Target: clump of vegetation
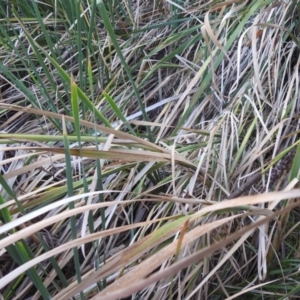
(149,149)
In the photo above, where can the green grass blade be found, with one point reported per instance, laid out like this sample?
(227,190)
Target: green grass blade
(71,204)
(109,28)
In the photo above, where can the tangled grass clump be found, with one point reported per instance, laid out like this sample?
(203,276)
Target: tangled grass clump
(149,149)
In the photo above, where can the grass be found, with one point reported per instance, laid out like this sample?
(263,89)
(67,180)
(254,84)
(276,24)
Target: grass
(149,149)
